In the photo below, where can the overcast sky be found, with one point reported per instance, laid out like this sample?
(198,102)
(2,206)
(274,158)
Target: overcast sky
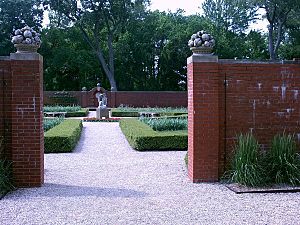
(189,6)
(193,7)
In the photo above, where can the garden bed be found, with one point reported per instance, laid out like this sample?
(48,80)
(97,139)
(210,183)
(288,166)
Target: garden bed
(70,111)
(240,189)
(63,137)
(142,137)
(134,112)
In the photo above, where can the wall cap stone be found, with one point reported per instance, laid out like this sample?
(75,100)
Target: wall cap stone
(26,56)
(4,58)
(249,61)
(202,58)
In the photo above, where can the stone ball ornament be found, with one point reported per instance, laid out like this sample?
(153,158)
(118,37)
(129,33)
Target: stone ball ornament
(201,43)
(26,40)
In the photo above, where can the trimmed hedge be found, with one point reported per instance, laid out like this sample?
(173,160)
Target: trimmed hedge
(63,137)
(80,113)
(142,137)
(120,113)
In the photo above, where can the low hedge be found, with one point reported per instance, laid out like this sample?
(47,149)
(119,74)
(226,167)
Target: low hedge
(142,137)
(120,113)
(63,137)
(80,113)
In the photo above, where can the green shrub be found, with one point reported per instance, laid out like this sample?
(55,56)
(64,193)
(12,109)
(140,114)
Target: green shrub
(117,113)
(64,137)
(186,159)
(49,123)
(246,164)
(134,112)
(60,108)
(5,177)
(142,137)
(79,113)
(153,109)
(161,124)
(282,161)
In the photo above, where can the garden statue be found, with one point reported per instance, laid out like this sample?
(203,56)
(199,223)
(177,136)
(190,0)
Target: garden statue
(201,43)
(102,110)
(26,40)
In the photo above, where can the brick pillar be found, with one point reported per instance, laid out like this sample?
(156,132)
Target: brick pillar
(203,118)
(27,136)
(84,99)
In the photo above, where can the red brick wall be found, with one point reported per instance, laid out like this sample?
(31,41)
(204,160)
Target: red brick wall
(128,98)
(23,102)
(262,98)
(150,98)
(232,97)
(4,98)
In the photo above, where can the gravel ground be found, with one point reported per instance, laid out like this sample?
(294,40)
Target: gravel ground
(106,182)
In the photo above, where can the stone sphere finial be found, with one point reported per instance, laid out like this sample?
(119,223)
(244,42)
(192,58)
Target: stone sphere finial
(201,43)
(26,40)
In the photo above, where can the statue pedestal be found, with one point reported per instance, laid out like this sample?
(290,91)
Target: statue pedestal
(102,112)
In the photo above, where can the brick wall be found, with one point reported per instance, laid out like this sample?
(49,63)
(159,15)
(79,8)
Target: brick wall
(128,98)
(262,98)
(228,97)
(22,113)
(4,98)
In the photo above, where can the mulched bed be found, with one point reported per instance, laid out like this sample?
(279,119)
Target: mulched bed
(240,189)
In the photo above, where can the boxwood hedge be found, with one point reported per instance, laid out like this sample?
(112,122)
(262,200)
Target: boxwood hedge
(134,112)
(142,137)
(80,113)
(63,137)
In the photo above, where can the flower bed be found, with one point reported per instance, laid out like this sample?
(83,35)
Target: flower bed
(93,119)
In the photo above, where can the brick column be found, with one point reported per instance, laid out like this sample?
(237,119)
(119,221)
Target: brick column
(203,118)
(84,99)
(27,136)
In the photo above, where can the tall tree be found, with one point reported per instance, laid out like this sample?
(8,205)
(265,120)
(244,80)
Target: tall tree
(278,13)
(233,15)
(99,20)
(15,14)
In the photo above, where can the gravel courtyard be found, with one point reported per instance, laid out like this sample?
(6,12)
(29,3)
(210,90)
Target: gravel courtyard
(105,181)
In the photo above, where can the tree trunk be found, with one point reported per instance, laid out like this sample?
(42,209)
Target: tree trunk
(271,42)
(108,70)
(111,63)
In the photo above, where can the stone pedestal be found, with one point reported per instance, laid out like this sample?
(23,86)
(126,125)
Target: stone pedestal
(102,112)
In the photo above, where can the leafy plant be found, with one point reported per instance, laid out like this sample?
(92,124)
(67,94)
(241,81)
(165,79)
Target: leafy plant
(60,108)
(246,165)
(153,109)
(51,122)
(161,124)
(282,161)
(5,177)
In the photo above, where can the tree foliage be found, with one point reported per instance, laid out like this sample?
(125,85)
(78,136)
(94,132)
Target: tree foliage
(99,20)
(279,13)
(233,15)
(15,14)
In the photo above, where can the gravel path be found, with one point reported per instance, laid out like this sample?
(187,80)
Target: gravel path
(106,182)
